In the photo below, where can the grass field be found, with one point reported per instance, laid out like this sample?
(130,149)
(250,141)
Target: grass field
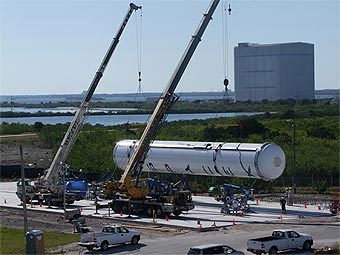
(12,240)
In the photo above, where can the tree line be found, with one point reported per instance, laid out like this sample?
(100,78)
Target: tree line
(316,143)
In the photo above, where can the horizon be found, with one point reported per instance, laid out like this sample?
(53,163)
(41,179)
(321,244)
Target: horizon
(122,93)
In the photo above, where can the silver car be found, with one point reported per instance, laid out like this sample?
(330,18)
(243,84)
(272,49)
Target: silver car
(217,249)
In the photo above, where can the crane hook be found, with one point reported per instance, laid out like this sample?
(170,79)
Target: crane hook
(229,10)
(226,83)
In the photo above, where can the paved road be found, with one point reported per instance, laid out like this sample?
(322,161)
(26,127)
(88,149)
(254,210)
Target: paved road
(236,237)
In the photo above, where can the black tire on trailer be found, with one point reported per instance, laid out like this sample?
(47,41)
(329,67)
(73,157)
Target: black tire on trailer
(159,211)
(104,245)
(70,202)
(48,201)
(149,211)
(177,213)
(90,248)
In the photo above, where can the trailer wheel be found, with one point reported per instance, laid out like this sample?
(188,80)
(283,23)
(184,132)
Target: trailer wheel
(104,246)
(307,245)
(177,213)
(273,250)
(48,201)
(149,211)
(159,211)
(90,248)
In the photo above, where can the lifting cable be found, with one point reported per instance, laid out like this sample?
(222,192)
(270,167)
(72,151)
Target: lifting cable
(139,48)
(226,11)
(138,25)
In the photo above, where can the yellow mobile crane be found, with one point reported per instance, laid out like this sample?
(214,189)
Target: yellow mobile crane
(129,194)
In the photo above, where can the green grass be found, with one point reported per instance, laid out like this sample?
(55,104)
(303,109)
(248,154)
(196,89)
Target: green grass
(12,240)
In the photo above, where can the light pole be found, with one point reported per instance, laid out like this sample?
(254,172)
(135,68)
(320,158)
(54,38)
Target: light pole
(23,194)
(294,154)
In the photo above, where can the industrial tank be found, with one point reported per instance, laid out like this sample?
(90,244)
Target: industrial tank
(248,160)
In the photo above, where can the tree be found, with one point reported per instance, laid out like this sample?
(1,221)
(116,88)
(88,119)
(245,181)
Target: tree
(38,126)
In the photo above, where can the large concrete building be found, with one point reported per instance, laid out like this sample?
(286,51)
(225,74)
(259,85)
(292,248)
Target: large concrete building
(274,71)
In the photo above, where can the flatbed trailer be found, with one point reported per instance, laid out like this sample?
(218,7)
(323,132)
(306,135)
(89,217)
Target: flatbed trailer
(149,206)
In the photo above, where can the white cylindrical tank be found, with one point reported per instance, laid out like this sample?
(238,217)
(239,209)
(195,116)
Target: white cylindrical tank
(262,161)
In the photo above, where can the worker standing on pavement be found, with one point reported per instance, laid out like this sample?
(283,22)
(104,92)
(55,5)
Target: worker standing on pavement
(283,205)
(290,196)
(235,205)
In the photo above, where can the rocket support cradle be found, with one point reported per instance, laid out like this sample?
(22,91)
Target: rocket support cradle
(246,160)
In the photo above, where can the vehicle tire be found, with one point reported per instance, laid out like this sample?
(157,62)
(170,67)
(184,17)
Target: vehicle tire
(273,250)
(149,211)
(104,245)
(307,245)
(48,201)
(70,202)
(177,213)
(90,248)
(159,211)
(135,240)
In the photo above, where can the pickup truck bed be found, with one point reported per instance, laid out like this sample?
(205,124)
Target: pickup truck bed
(265,239)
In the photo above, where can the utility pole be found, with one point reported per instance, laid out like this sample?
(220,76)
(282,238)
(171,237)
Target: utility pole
(294,154)
(23,193)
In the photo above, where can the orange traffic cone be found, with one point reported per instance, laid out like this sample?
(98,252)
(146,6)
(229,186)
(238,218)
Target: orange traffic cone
(319,207)
(234,222)
(305,205)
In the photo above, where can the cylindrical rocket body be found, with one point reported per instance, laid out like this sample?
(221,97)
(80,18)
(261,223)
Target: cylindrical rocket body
(261,161)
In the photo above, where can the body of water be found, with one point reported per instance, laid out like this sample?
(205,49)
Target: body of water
(121,97)
(108,120)
(61,109)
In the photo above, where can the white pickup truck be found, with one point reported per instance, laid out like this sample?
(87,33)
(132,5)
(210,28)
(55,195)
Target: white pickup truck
(284,239)
(110,235)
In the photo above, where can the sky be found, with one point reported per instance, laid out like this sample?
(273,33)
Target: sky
(55,47)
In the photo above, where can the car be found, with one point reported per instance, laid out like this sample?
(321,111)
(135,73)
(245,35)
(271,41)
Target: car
(217,249)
